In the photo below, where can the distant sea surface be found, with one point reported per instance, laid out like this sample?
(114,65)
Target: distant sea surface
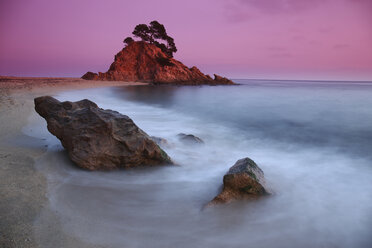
(313,140)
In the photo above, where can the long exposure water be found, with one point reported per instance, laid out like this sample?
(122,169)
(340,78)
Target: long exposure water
(313,140)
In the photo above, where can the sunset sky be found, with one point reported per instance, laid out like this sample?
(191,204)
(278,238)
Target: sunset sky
(278,39)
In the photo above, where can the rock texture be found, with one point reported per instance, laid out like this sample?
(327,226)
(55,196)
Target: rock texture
(243,180)
(98,139)
(190,139)
(144,62)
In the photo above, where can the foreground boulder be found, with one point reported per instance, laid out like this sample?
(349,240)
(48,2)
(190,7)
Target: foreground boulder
(98,139)
(244,180)
(144,62)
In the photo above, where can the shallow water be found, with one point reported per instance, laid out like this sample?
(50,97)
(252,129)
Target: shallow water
(312,140)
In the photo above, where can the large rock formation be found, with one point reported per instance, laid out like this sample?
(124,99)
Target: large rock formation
(243,180)
(144,62)
(98,139)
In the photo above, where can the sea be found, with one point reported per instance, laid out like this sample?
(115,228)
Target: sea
(312,139)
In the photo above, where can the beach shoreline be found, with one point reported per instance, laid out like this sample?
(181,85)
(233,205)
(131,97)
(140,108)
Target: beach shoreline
(287,129)
(22,187)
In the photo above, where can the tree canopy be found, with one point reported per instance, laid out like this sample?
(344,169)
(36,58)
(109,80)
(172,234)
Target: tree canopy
(128,40)
(154,33)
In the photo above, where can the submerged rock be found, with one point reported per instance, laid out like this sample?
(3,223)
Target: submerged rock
(145,62)
(98,139)
(160,141)
(243,180)
(190,139)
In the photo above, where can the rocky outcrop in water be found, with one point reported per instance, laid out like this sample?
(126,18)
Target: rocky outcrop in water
(189,139)
(243,180)
(144,62)
(98,139)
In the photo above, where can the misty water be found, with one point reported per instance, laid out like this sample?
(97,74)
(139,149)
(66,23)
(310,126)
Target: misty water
(313,140)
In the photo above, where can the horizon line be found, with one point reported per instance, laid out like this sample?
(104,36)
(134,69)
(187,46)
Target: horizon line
(257,79)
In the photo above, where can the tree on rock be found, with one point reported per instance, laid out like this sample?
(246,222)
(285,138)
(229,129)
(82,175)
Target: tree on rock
(142,31)
(171,46)
(154,34)
(157,30)
(128,40)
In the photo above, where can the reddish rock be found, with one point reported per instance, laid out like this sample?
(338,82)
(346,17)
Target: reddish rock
(223,80)
(98,139)
(144,62)
(244,180)
(89,75)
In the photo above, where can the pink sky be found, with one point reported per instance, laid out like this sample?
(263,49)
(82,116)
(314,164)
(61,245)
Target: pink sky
(294,39)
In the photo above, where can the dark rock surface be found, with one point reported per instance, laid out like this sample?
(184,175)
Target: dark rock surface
(144,62)
(243,180)
(98,139)
(189,139)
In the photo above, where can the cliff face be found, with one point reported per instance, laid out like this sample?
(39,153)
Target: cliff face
(141,61)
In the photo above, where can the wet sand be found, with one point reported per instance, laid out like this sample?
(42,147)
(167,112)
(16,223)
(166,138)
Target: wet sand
(23,188)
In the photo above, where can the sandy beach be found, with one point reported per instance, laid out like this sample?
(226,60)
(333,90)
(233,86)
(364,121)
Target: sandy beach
(23,188)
